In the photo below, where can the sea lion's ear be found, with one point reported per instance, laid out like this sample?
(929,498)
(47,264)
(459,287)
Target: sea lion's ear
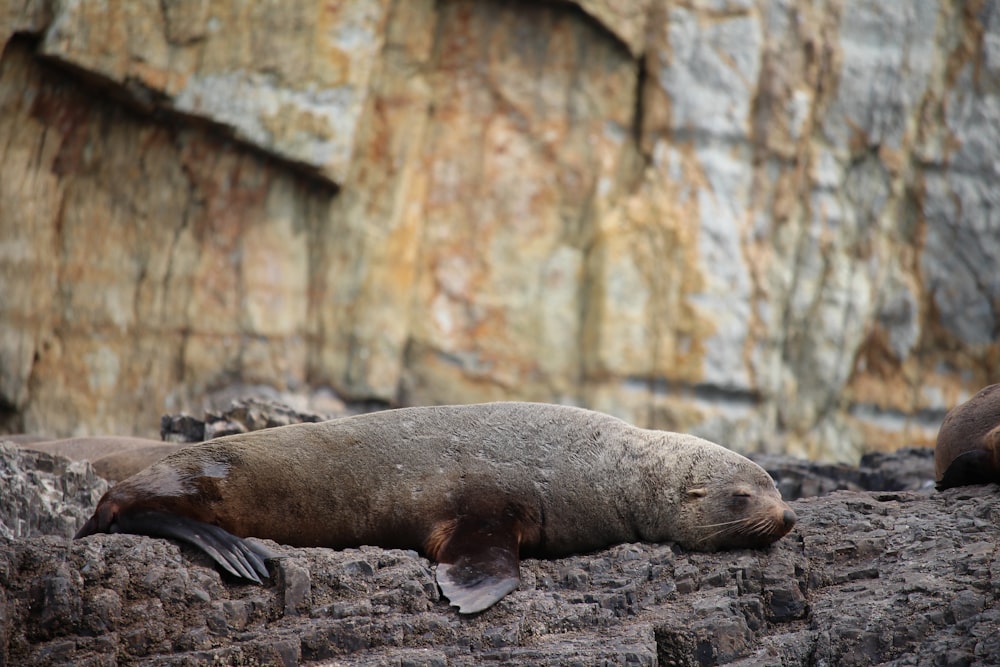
(697,492)
(478,560)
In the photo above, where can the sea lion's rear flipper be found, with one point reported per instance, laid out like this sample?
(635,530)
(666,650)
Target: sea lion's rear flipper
(478,560)
(234,554)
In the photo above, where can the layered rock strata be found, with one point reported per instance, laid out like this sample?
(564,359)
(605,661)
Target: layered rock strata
(769,223)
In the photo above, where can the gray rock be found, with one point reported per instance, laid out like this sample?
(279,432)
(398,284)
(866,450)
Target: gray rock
(247,414)
(894,578)
(44,494)
(907,469)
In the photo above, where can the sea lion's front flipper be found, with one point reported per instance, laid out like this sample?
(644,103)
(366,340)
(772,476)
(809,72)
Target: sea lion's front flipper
(972,467)
(235,555)
(478,560)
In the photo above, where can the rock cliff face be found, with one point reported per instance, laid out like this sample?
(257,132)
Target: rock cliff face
(770,223)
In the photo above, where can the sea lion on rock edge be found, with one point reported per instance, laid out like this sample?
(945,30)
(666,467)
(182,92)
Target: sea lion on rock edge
(968,443)
(473,487)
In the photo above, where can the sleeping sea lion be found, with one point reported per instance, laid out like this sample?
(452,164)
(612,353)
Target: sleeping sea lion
(474,487)
(968,443)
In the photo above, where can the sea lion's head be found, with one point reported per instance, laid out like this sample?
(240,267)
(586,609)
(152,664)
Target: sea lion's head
(968,443)
(184,485)
(173,498)
(722,500)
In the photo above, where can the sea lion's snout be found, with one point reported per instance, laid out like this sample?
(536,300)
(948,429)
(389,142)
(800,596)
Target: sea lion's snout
(782,520)
(104,520)
(783,523)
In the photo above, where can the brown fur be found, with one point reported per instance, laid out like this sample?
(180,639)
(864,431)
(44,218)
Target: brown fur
(121,465)
(540,479)
(968,443)
(91,448)
(113,457)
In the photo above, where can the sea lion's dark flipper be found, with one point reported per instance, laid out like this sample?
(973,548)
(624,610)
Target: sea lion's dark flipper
(234,554)
(973,467)
(478,561)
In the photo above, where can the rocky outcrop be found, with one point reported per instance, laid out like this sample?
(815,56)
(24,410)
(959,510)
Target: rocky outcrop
(44,494)
(892,578)
(768,223)
(906,469)
(242,416)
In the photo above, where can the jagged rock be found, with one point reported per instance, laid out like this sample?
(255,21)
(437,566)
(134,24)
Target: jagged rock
(182,428)
(907,469)
(243,415)
(863,579)
(44,494)
(892,578)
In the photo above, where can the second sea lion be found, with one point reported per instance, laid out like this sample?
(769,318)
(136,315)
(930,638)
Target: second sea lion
(114,457)
(473,487)
(23,439)
(967,450)
(120,465)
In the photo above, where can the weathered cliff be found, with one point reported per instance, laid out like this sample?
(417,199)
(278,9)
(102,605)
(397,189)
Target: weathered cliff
(770,223)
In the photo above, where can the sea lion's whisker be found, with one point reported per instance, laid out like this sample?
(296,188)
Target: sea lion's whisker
(725,523)
(729,527)
(764,526)
(752,526)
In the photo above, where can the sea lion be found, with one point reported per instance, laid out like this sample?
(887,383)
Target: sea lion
(968,443)
(114,457)
(120,465)
(473,487)
(22,439)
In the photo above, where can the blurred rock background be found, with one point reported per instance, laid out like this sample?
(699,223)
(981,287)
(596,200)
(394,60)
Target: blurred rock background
(770,223)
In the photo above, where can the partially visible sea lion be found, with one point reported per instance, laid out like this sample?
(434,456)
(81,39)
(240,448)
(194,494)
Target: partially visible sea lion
(121,465)
(968,444)
(114,457)
(22,439)
(473,487)
(90,448)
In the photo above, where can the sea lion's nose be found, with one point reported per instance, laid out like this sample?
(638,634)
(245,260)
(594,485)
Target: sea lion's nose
(789,518)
